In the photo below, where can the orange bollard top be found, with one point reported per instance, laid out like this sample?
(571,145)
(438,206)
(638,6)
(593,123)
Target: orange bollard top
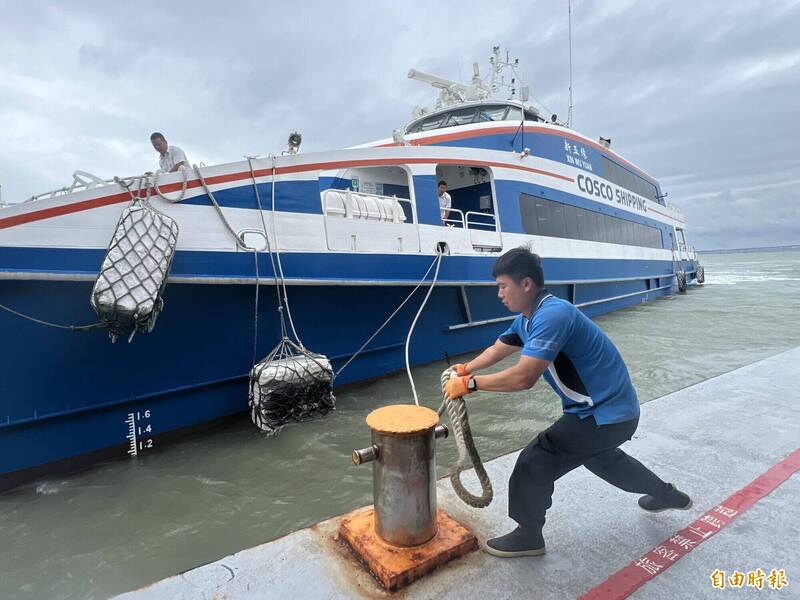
(402,419)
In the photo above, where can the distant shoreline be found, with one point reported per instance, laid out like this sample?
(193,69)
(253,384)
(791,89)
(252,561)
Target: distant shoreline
(756,249)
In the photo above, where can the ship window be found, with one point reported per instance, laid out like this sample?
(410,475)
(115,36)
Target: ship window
(630,181)
(571,221)
(529,116)
(492,113)
(430,123)
(473,114)
(557,225)
(593,220)
(617,229)
(628,234)
(530,218)
(461,117)
(514,114)
(557,219)
(606,229)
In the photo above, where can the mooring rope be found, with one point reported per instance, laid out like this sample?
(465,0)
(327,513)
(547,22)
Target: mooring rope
(49,324)
(456,407)
(459,422)
(389,318)
(439,254)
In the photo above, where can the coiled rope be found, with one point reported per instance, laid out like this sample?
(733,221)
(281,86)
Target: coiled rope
(459,422)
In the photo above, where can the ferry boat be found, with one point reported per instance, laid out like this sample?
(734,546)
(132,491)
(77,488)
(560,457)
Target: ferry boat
(355,230)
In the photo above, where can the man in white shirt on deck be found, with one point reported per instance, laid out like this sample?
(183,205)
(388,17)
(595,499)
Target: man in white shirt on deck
(172,158)
(445,201)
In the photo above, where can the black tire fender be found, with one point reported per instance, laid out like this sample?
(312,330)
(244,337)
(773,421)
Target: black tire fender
(700,274)
(681,277)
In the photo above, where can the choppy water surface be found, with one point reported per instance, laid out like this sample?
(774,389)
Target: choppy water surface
(124,524)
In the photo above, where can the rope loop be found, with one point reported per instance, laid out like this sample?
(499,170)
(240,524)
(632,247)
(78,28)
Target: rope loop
(182,193)
(459,422)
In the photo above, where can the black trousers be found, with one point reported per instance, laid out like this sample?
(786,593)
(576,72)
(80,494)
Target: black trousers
(565,445)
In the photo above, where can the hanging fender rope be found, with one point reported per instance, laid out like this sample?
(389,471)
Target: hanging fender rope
(278,256)
(459,422)
(239,242)
(218,208)
(182,193)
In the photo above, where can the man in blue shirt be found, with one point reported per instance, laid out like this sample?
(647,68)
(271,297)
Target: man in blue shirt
(601,410)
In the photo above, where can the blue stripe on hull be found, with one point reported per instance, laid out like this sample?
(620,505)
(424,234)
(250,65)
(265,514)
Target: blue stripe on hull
(64,393)
(327,266)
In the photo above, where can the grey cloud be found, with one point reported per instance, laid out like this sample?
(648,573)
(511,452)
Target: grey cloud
(701,95)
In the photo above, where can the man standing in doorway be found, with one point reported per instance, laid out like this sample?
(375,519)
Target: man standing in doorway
(601,410)
(445,202)
(172,158)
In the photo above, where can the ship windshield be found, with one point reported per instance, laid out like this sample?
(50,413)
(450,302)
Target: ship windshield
(492,113)
(431,123)
(514,114)
(461,117)
(464,116)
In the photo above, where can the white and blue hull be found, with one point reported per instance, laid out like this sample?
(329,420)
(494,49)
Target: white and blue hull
(68,396)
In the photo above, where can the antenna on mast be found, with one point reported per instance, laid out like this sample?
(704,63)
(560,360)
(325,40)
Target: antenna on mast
(569,112)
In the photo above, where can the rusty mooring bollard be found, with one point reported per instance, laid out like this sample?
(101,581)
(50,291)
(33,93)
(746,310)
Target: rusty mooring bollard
(403,472)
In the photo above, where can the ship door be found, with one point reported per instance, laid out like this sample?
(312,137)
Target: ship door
(472,204)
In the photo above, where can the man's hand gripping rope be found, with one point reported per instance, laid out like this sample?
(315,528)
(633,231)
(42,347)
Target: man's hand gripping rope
(454,388)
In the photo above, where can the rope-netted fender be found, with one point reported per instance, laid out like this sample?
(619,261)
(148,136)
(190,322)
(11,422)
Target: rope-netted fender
(700,275)
(459,423)
(290,384)
(128,292)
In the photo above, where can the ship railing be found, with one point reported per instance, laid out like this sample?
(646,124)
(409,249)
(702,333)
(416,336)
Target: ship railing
(676,211)
(472,219)
(482,228)
(81,181)
(457,221)
(481,220)
(688,251)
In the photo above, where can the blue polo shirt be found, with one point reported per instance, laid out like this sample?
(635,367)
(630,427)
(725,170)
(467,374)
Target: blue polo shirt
(586,369)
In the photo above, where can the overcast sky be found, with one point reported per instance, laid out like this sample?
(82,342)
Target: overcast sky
(702,95)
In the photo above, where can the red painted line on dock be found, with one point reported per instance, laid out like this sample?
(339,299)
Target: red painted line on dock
(633,576)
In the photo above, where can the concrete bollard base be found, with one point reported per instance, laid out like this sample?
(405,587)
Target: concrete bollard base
(395,567)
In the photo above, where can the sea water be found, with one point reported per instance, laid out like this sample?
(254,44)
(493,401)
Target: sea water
(124,524)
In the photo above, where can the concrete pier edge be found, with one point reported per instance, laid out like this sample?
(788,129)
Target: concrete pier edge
(711,438)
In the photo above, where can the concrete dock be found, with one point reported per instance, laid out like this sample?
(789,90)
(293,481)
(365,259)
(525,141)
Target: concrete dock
(712,439)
